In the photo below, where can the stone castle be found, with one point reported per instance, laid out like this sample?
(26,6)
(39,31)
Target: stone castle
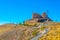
(40,18)
(37,18)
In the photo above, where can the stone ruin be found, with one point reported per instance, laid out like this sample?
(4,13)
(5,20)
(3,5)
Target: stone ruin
(41,18)
(37,19)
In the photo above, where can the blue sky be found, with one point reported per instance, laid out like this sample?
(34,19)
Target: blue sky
(14,11)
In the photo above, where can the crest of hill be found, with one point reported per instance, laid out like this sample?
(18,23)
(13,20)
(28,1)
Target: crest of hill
(7,25)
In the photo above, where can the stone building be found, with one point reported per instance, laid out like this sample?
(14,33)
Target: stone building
(37,19)
(41,18)
(36,15)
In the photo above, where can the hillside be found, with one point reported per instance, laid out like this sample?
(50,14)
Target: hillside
(22,32)
(6,28)
(54,32)
(16,32)
(40,27)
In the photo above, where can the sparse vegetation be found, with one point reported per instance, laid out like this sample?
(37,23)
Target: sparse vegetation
(20,23)
(26,24)
(42,28)
(35,25)
(28,32)
(34,32)
(53,34)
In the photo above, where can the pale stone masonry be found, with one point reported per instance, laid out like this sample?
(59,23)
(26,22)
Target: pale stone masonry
(41,18)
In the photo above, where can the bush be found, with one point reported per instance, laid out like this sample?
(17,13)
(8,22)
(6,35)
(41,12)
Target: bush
(34,32)
(25,24)
(35,24)
(20,23)
(42,28)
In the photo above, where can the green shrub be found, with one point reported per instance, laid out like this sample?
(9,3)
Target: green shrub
(25,24)
(34,32)
(20,23)
(35,24)
(42,28)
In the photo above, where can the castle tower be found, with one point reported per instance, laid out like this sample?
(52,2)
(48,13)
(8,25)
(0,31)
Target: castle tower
(44,15)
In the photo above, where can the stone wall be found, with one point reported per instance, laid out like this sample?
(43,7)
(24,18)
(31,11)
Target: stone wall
(36,15)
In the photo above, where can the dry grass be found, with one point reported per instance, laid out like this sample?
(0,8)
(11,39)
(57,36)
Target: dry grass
(54,33)
(20,32)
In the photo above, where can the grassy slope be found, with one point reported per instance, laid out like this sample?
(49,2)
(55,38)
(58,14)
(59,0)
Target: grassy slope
(23,32)
(6,27)
(27,32)
(54,33)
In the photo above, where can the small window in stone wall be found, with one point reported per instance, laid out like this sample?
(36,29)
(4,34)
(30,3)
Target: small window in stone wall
(42,20)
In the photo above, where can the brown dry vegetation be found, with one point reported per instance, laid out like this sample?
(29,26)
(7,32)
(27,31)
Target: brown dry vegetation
(54,33)
(21,32)
(13,32)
